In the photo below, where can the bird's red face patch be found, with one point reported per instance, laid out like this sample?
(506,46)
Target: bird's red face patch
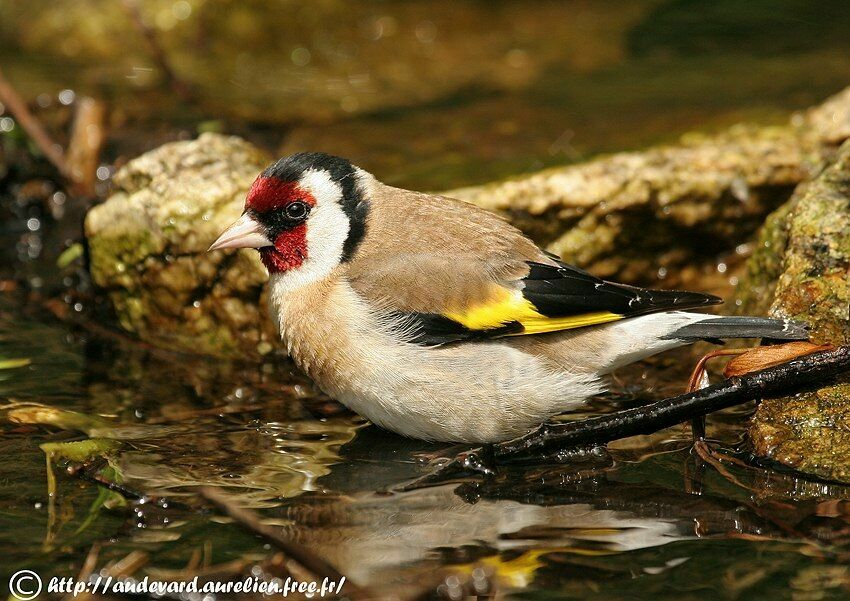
(268,199)
(270,193)
(289,250)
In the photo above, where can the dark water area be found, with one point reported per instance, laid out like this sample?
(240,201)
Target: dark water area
(430,95)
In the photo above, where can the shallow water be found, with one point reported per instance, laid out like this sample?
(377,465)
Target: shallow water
(646,519)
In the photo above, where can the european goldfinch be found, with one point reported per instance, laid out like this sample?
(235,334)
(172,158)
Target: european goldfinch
(438,320)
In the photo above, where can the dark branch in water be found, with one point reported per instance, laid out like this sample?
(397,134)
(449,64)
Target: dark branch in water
(798,375)
(87,472)
(251,521)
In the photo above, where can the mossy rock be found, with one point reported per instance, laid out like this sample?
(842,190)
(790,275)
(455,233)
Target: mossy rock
(626,215)
(801,270)
(622,216)
(148,244)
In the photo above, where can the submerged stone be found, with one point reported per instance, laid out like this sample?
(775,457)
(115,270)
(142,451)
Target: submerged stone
(801,270)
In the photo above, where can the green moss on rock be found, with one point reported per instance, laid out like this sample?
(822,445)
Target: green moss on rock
(148,246)
(801,270)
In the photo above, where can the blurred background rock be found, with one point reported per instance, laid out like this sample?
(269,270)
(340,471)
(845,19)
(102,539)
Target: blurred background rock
(429,94)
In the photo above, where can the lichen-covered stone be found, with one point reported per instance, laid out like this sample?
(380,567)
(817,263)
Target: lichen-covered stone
(628,214)
(801,270)
(807,432)
(148,244)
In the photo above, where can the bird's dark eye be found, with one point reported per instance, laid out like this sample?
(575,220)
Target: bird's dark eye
(296,211)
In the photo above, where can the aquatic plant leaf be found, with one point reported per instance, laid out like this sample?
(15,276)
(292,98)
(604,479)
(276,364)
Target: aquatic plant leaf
(14,363)
(36,413)
(80,451)
(69,255)
(106,499)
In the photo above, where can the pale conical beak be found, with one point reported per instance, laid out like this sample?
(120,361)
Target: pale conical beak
(246,232)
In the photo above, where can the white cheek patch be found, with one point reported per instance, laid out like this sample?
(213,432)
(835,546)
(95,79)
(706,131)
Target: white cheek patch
(327,230)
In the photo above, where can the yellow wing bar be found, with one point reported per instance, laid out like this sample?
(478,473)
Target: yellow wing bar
(511,306)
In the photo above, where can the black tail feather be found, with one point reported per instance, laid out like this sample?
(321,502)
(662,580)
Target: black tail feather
(713,328)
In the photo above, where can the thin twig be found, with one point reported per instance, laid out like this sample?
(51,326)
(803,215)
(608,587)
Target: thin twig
(88,568)
(124,568)
(88,134)
(16,105)
(84,472)
(803,373)
(251,521)
(59,309)
(777,381)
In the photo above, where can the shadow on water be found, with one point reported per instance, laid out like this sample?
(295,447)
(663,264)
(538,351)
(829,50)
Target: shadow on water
(542,84)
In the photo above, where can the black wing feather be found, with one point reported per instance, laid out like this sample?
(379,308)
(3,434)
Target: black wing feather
(557,291)
(561,290)
(431,329)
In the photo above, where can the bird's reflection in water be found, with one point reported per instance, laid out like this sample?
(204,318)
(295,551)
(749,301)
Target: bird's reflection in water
(520,521)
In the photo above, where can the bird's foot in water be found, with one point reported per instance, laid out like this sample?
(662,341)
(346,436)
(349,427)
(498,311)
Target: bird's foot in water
(476,462)
(699,380)
(442,454)
(746,360)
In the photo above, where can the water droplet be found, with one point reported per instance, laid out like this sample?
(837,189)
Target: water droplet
(300,56)
(181,10)
(426,32)
(67,96)
(383,27)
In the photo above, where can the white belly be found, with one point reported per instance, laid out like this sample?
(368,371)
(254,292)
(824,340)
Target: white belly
(473,392)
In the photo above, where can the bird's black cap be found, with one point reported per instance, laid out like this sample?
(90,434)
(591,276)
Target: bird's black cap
(342,172)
